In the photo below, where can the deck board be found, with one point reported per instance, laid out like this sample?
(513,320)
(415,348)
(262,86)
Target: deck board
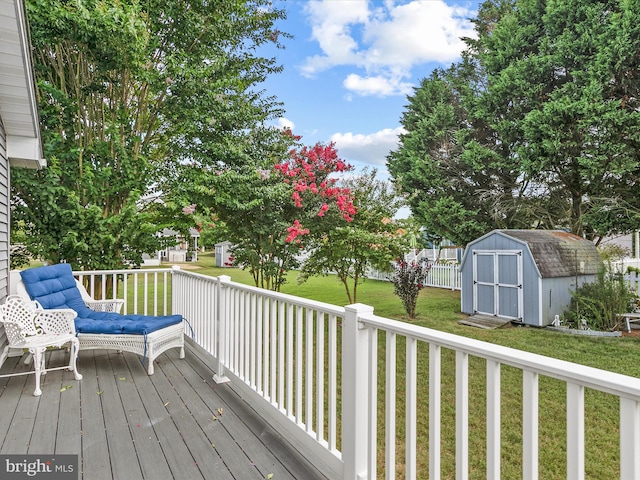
(95,448)
(177,423)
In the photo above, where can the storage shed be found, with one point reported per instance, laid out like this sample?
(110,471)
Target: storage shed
(525,275)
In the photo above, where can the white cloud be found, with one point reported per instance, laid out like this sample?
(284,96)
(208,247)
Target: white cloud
(371,149)
(286,123)
(384,40)
(379,85)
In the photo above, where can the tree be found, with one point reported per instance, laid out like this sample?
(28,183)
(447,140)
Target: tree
(536,127)
(271,202)
(460,180)
(371,240)
(563,94)
(127,92)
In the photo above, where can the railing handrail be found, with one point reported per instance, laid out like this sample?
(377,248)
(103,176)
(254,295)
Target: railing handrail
(609,382)
(304,302)
(122,271)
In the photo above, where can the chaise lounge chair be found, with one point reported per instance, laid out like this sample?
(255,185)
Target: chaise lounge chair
(55,287)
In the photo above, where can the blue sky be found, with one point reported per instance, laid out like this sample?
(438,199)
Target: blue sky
(352,63)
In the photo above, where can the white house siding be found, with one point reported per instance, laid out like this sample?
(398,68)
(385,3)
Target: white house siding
(4,227)
(4,215)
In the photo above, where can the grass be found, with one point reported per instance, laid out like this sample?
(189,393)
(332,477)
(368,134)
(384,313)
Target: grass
(440,309)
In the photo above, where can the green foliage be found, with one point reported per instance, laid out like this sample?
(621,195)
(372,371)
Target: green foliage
(612,253)
(536,126)
(370,240)
(408,280)
(126,93)
(272,200)
(599,303)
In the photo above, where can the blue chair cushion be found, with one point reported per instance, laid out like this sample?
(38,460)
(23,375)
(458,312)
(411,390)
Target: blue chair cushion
(54,287)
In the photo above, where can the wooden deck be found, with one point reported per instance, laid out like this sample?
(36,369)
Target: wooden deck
(177,423)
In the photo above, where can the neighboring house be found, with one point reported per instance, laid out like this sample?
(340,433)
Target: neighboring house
(180,251)
(20,141)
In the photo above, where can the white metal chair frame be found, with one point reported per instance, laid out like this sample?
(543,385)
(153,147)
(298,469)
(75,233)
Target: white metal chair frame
(31,328)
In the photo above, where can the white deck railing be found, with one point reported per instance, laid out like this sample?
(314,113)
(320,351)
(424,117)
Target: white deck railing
(327,377)
(145,292)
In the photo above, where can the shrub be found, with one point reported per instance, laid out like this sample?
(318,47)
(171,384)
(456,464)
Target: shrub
(600,302)
(19,257)
(408,279)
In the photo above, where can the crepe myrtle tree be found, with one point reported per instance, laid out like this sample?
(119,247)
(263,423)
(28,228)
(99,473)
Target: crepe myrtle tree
(371,239)
(272,208)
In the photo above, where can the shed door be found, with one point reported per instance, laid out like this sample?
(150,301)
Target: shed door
(497,283)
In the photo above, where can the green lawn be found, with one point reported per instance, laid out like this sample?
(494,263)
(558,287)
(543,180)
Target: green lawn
(440,309)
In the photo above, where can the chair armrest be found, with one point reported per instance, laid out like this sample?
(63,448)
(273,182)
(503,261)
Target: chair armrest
(114,305)
(58,321)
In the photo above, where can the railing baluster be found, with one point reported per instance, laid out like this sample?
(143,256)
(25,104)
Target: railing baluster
(246,325)
(253,341)
(299,362)
(135,293)
(575,431)
(435,412)
(281,356)
(412,411)
(260,341)
(390,406)
(320,366)
(373,402)
(493,420)
(308,374)
(240,343)
(462,415)
(273,354)
(155,293)
(333,383)
(530,425)
(290,365)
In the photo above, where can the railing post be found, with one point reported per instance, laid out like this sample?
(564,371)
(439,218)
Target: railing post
(629,438)
(355,391)
(221,319)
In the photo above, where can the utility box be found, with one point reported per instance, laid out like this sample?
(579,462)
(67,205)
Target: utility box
(223,254)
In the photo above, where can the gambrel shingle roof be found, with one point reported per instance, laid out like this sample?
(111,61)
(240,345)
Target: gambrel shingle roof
(558,253)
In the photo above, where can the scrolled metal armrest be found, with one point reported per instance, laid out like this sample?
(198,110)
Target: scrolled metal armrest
(56,321)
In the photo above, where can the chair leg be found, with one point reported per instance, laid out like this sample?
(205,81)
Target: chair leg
(73,356)
(38,357)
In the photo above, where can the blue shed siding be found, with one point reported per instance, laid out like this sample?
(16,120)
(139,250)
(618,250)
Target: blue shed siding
(542,298)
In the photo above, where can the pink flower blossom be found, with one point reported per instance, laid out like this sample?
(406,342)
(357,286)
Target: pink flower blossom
(189,209)
(294,231)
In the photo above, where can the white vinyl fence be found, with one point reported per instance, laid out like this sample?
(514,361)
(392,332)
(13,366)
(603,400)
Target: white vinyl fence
(441,275)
